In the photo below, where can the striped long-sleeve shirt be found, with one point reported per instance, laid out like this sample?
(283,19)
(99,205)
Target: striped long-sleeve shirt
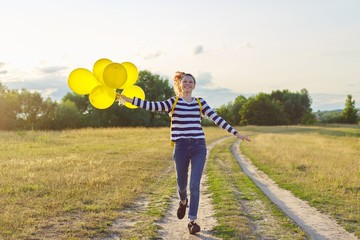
(186,118)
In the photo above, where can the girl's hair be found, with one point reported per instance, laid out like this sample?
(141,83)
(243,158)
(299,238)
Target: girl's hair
(177,82)
(188,74)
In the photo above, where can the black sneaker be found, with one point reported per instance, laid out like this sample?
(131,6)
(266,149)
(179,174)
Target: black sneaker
(193,227)
(182,209)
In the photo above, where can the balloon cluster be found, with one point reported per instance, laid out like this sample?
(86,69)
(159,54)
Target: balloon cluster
(101,84)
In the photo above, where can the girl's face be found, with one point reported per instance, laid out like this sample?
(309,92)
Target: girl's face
(187,84)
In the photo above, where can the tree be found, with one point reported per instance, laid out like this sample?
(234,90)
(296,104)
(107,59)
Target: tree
(9,108)
(262,110)
(3,89)
(334,116)
(47,117)
(231,111)
(349,115)
(81,101)
(225,112)
(296,106)
(67,115)
(30,109)
(235,110)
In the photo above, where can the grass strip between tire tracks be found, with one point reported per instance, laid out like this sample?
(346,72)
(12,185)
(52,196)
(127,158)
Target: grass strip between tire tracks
(242,210)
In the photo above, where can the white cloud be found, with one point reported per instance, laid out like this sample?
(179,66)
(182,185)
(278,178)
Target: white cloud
(153,55)
(198,50)
(204,79)
(246,45)
(53,69)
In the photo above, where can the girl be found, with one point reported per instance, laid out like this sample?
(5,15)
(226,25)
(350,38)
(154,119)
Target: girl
(189,139)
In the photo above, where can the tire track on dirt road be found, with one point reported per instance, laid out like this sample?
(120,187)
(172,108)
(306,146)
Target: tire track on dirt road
(315,224)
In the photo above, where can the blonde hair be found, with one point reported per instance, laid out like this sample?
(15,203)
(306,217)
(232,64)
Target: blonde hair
(177,83)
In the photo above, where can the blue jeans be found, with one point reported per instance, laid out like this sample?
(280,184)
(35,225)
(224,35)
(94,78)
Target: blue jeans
(188,151)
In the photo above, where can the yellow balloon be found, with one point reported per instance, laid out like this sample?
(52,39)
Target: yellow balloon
(98,68)
(132,74)
(82,81)
(114,75)
(131,92)
(102,97)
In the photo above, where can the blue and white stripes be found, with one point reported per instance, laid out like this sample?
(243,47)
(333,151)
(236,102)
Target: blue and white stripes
(186,118)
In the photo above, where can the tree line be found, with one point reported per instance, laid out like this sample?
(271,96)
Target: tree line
(25,110)
(349,115)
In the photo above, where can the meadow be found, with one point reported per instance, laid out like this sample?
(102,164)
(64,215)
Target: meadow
(73,184)
(319,164)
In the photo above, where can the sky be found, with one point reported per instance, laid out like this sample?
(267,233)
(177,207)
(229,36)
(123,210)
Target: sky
(232,47)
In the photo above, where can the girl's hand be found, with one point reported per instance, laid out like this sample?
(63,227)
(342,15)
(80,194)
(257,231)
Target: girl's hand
(122,98)
(241,137)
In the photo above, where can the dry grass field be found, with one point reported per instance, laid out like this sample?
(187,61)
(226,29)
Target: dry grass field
(75,183)
(318,164)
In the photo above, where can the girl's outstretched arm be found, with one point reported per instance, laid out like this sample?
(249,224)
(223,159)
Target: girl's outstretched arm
(147,105)
(123,97)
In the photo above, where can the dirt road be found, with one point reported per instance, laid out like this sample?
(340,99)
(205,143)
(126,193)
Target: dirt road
(314,223)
